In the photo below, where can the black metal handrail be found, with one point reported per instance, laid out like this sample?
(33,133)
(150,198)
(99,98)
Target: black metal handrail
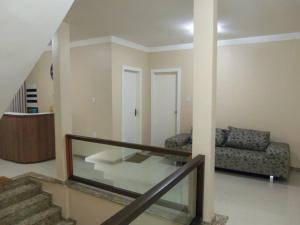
(141,204)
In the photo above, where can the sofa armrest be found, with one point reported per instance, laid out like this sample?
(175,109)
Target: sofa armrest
(177,141)
(279,151)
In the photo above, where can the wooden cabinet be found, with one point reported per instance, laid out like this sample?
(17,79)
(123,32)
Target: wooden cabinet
(27,138)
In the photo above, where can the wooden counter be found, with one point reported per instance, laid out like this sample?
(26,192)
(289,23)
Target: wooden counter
(27,138)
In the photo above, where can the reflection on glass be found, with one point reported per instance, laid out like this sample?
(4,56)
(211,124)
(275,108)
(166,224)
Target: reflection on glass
(176,207)
(129,169)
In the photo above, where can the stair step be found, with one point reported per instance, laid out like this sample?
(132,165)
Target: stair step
(24,209)
(66,223)
(4,180)
(49,216)
(13,184)
(18,194)
(88,171)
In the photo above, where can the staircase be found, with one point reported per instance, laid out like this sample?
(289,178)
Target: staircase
(22,202)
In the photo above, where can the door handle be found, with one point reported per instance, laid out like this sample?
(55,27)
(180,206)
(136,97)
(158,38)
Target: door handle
(135,112)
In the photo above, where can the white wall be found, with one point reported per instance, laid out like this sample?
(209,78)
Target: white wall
(26,29)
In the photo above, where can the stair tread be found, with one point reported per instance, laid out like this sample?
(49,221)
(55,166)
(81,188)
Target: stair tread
(23,204)
(13,184)
(4,180)
(17,190)
(40,216)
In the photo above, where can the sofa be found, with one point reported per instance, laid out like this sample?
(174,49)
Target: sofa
(243,150)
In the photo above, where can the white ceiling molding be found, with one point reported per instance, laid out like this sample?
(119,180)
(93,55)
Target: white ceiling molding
(260,39)
(171,47)
(129,44)
(230,42)
(92,41)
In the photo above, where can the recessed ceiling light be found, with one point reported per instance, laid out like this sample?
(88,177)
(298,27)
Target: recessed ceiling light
(221,27)
(189,27)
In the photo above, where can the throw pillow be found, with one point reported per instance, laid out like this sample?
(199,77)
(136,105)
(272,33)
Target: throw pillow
(248,139)
(221,137)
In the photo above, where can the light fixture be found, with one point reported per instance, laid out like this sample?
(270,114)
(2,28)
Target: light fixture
(189,27)
(221,27)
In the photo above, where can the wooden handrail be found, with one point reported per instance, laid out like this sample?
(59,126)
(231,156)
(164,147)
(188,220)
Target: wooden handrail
(130,145)
(69,157)
(143,201)
(136,208)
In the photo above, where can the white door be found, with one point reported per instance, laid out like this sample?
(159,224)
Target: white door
(131,106)
(164,107)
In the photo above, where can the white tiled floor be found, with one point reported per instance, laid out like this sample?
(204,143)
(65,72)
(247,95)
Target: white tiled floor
(247,200)
(10,169)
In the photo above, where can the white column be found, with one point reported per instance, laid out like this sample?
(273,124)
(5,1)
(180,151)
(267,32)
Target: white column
(204,103)
(62,95)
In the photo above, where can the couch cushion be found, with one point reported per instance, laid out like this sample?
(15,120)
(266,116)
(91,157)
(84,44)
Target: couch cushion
(242,160)
(248,139)
(177,141)
(221,137)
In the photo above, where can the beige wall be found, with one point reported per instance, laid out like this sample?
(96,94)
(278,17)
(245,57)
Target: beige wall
(184,61)
(91,78)
(91,73)
(258,88)
(40,76)
(89,210)
(60,195)
(97,72)
(62,96)
(130,57)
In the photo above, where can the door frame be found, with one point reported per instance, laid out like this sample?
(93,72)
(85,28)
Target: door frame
(140,72)
(178,96)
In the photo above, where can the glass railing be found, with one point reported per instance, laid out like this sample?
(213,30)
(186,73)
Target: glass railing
(151,208)
(171,178)
(124,168)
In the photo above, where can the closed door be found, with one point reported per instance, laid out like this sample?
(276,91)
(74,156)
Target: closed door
(131,106)
(164,107)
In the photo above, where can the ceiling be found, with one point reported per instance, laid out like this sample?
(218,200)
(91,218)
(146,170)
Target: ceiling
(165,22)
